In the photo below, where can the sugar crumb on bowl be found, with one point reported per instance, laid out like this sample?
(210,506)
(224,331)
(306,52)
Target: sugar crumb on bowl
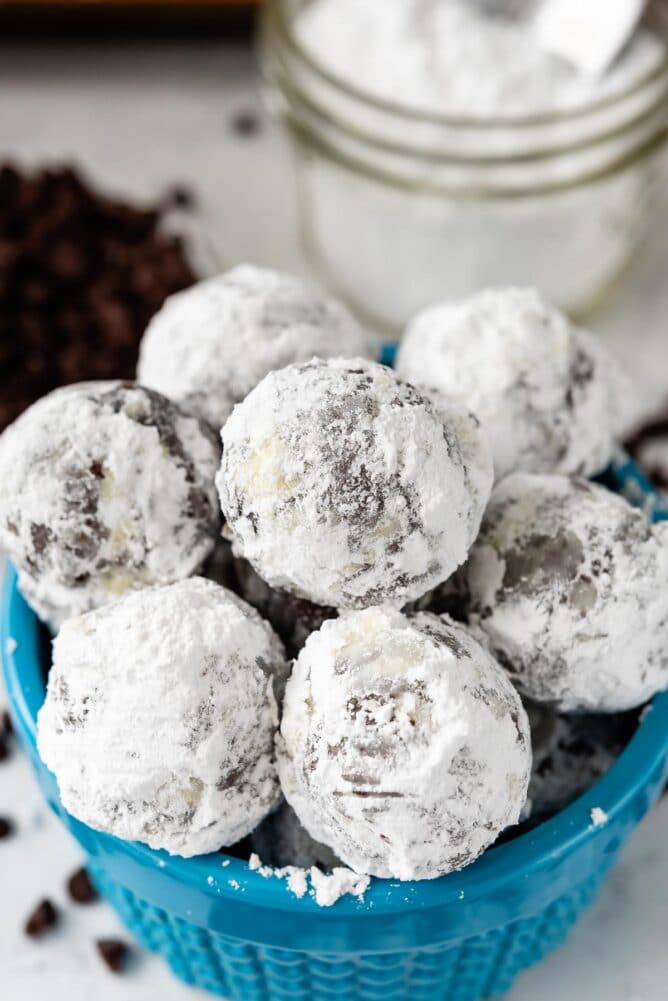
(599,817)
(330,887)
(325,887)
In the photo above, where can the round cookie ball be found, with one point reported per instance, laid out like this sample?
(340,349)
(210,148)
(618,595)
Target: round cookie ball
(570,585)
(403,745)
(159,717)
(346,486)
(547,393)
(211,344)
(281,840)
(105,487)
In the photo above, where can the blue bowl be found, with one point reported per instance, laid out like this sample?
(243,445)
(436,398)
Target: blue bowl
(462,937)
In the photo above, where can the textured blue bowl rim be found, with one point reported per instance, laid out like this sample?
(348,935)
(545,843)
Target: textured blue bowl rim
(220,876)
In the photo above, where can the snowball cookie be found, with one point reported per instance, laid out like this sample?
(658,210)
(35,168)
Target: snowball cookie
(211,344)
(403,745)
(346,486)
(104,486)
(159,717)
(281,840)
(570,754)
(570,584)
(547,393)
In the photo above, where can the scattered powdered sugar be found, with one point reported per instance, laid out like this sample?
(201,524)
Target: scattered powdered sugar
(297,881)
(329,887)
(458,57)
(104,487)
(234,883)
(255,864)
(547,393)
(346,486)
(568,582)
(211,344)
(326,888)
(599,817)
(159,717)
(403,744)
(296,877)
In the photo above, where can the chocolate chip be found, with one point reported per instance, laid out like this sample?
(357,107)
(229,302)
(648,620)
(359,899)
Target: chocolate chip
(4,748)
(113,952)
(42,919)
(179,197)
(80,888)
(6,828)
(6,725)
(245,123)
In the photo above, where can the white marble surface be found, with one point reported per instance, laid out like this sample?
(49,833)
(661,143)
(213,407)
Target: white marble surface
(139,119)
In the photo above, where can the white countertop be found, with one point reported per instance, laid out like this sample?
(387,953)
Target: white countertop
(139,119)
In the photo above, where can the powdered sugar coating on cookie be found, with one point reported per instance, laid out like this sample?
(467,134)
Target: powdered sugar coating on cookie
(548,394)
(159,718)
(346,486)
(403,745)
(211,344)
(570,585)
(104,487)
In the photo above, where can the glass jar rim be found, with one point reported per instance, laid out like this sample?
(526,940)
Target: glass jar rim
(277,13)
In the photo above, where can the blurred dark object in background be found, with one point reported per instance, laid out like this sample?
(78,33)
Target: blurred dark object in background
(648,445)
(68,19)
(81,274)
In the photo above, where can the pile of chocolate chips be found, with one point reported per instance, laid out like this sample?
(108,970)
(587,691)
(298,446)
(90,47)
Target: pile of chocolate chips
(81,274)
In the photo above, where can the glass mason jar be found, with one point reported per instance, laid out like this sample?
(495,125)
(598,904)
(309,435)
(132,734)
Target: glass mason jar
(399,209)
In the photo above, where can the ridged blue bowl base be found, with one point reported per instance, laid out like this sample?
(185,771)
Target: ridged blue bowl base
(483,966)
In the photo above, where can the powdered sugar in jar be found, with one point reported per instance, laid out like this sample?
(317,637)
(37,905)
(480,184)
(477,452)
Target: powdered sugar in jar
(440,150)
